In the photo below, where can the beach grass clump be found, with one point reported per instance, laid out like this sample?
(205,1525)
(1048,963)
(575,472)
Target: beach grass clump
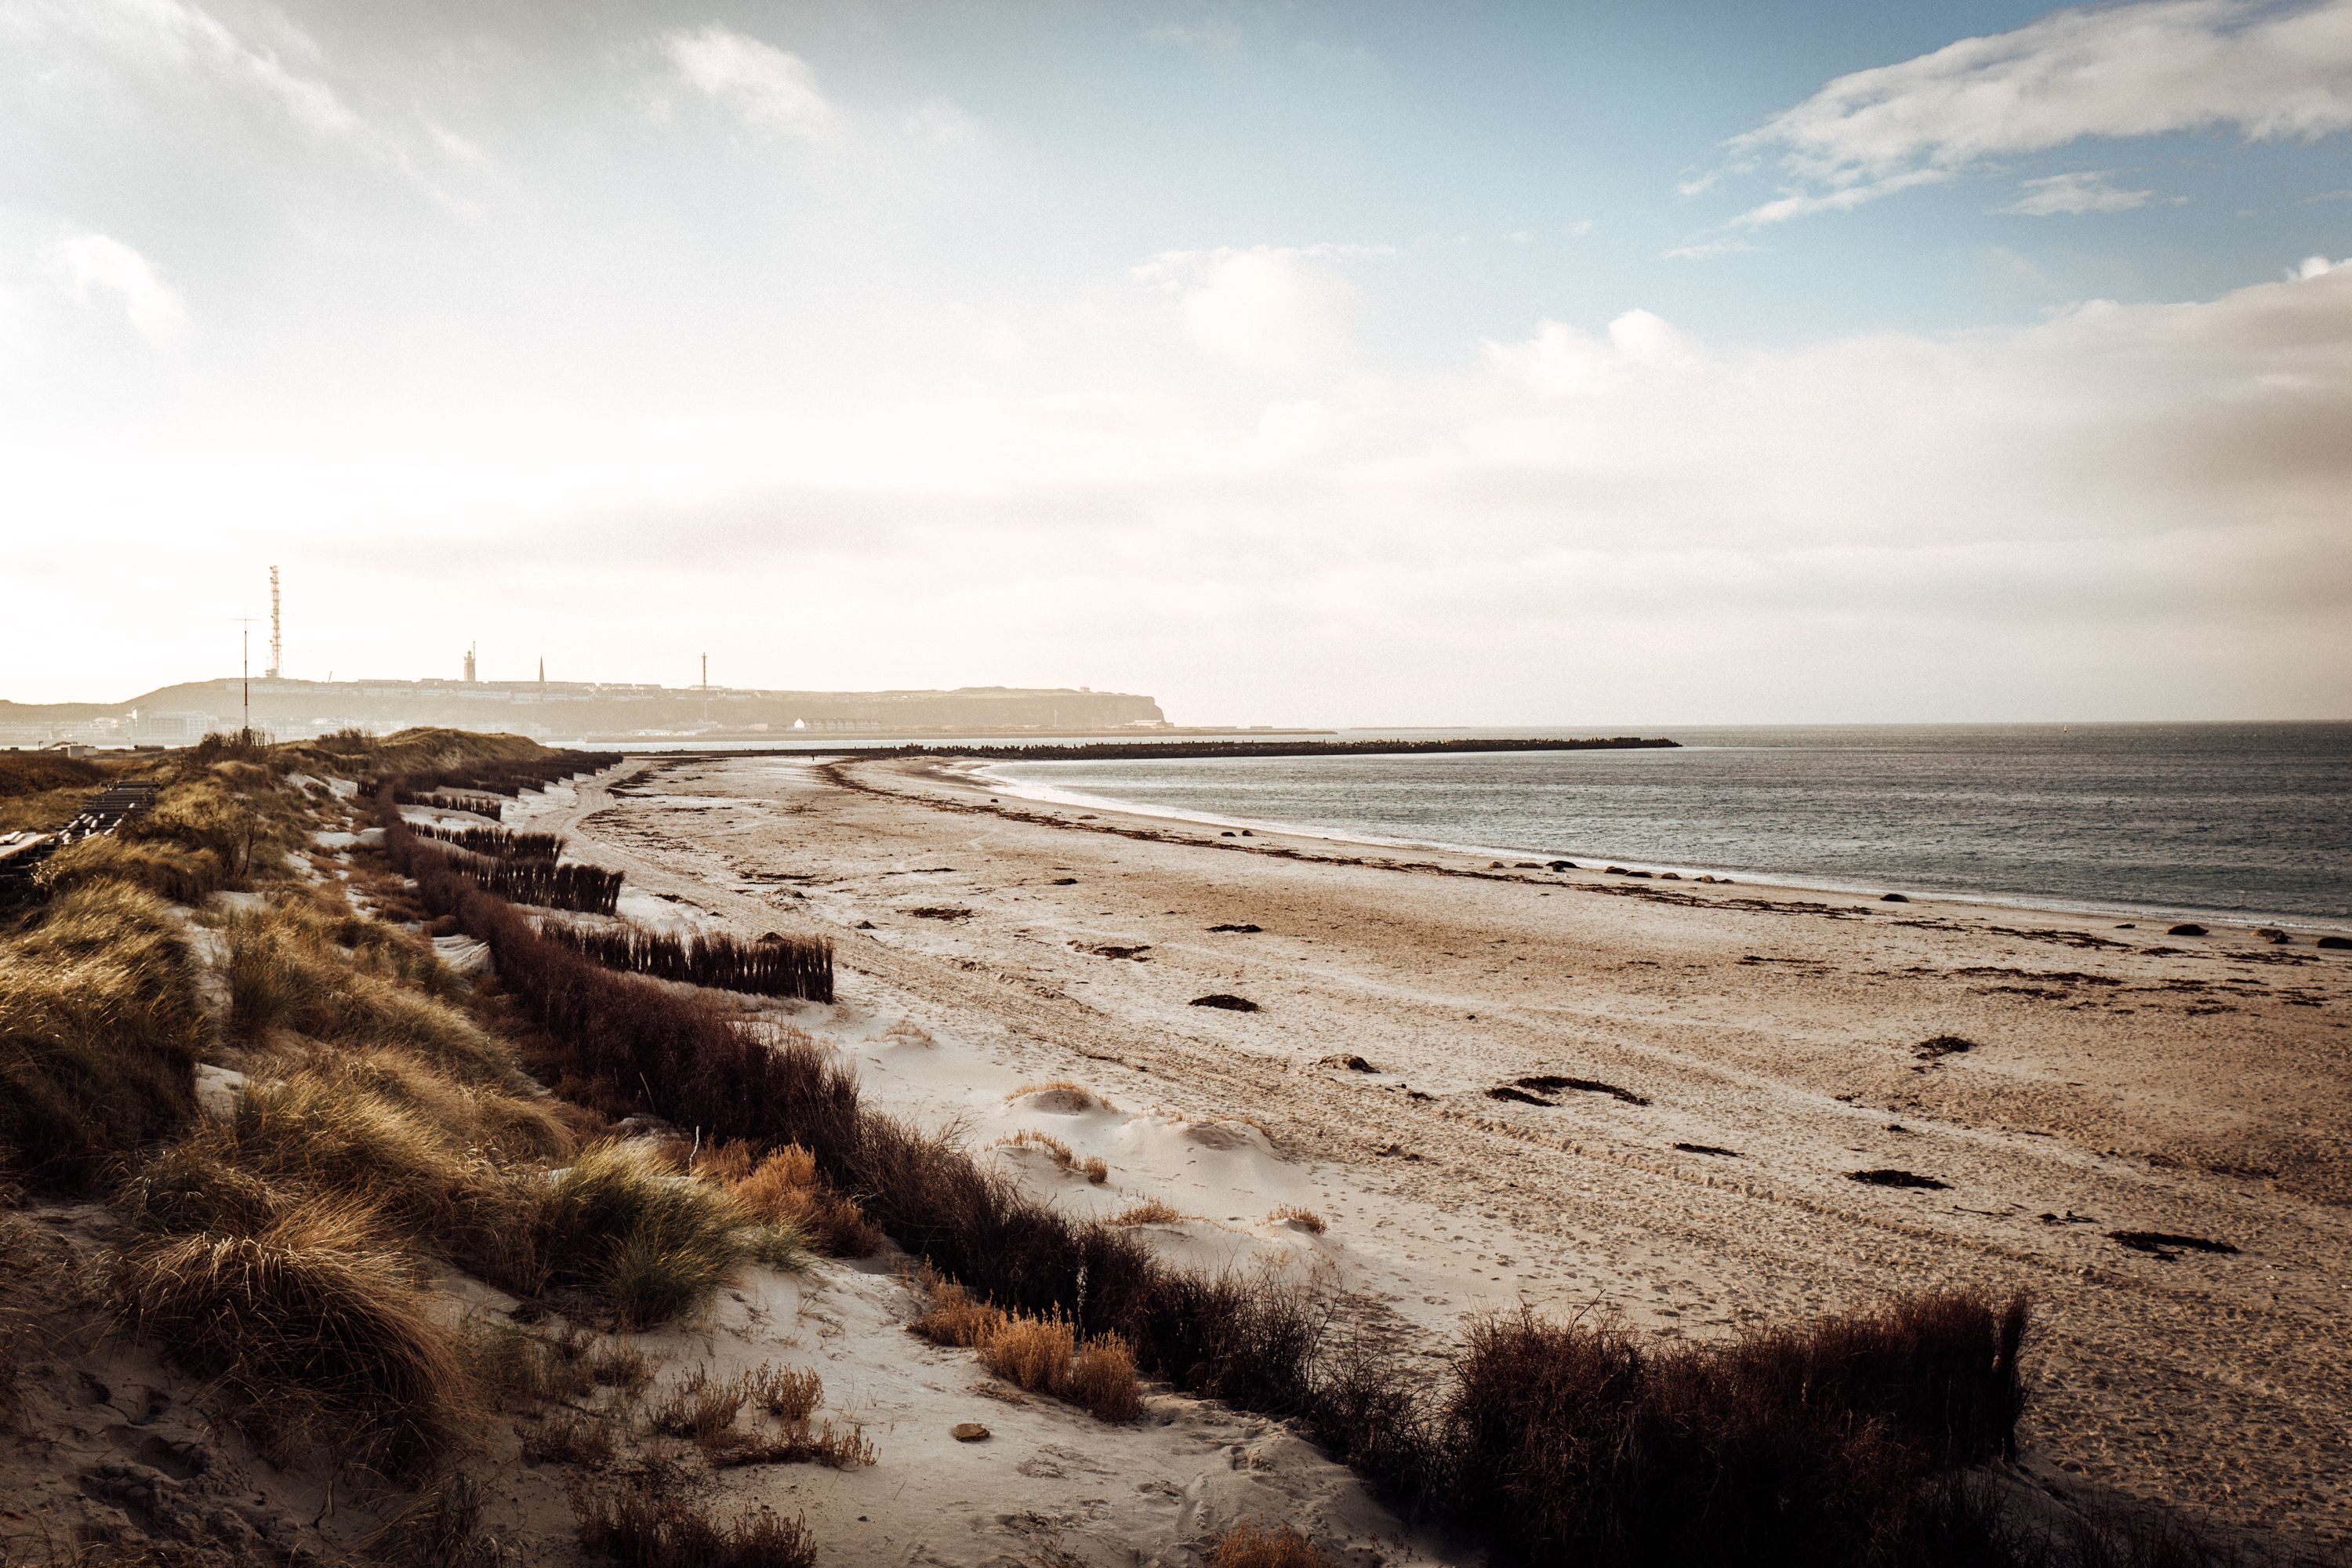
(441,1526)
(100,1027)
(314,1325)
(1251,1544)
(1578,1442)
(643,1243)
(1296,1217)
(1150,1211)
(1043,1354)
(1061,1094)
(521,1369)
(1092,1167)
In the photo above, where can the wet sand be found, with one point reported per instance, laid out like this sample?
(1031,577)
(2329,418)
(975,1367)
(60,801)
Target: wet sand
(2112,1080)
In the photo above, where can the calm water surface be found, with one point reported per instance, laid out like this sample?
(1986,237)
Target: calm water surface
(2243,819)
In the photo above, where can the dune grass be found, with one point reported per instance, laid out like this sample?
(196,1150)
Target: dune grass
(315,1325)
(1092,1167)
(173,871)
(641,1241)
(40,790)
(98,1032)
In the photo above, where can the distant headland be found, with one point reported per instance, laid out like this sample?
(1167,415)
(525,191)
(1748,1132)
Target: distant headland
(567,710)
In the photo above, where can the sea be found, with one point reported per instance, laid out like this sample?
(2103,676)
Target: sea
(2242,821)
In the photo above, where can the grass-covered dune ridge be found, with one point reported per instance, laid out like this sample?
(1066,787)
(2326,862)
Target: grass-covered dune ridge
(369,1126)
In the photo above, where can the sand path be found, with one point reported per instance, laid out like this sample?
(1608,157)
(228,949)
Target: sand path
(2116,1080)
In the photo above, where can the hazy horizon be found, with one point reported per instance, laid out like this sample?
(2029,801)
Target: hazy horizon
(1303,365)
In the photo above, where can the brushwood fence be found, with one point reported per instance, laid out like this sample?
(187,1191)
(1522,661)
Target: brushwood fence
(498,843)
(1839,1444)
(445,800)
(772,967)
(550,884)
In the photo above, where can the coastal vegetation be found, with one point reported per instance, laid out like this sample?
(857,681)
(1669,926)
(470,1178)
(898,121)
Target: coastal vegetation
(291,1161)
(297,1116)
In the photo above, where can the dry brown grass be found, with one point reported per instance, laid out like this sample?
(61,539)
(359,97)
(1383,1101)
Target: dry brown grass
(1293,1214)
(698,1409)
(98,1030)
(787,1393)
(40,790)
(1091,1167)
(315,1326)
(1042,1355)
(173,871)
(1061,1094)
(786,1189)
(644,1523)
(1150,1211)
(328,975)
(569,1437)
(1250,1544)
(704,1411)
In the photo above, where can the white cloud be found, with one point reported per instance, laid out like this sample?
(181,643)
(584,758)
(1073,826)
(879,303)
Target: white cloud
(2315,266)
(2085,191)
(1845,198)
(95,268)
(765,84)
(2265,71)
(1266,308)
(184,44)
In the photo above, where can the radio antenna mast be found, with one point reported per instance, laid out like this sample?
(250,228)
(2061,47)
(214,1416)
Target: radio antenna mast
(277,642)
(244,660)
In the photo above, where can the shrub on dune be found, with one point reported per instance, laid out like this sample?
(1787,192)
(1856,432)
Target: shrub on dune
(786,1189)
(1580,1443)
(1042,1353)
(312,1327)
(98,1028)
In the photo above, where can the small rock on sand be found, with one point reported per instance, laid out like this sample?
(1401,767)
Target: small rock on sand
(1893,899)
(2188,927)
(969,1432)
(2334,941)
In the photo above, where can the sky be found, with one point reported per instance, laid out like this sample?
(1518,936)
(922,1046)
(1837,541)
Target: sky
(1300,363)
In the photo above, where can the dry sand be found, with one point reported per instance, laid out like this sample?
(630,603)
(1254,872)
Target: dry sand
(2116,1080)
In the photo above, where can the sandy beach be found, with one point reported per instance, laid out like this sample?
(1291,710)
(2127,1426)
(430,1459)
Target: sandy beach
(1696,1074)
